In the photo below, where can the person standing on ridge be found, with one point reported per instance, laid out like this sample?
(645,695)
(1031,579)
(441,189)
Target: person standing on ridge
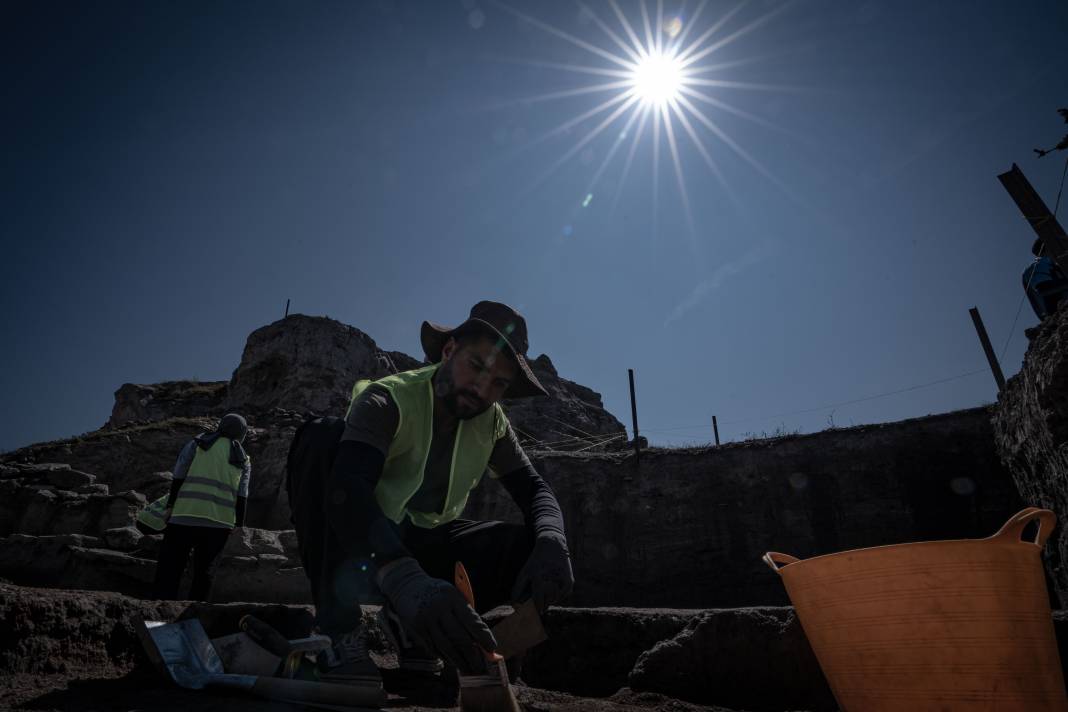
(208,498)
(376,499)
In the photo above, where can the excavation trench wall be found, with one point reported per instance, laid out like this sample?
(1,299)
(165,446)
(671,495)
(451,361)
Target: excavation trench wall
(688,528)
(680,528)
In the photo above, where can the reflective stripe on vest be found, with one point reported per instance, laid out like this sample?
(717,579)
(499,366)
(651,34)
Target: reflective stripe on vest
(209,491)
(402,473)
(152,515)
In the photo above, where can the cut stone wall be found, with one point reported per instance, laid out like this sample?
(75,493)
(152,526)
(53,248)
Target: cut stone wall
(689,528)
(684,528)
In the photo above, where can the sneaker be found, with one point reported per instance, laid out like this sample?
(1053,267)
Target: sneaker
(348,662)
(411,656)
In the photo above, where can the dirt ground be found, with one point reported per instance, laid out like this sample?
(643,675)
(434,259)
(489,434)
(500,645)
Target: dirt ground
(143,689)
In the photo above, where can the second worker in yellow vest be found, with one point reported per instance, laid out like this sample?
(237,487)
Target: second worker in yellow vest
(208,495)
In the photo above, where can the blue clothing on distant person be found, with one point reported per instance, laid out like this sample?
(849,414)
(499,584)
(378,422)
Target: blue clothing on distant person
(1045,285)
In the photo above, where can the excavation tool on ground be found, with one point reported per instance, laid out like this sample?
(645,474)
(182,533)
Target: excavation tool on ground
(290,652)
(934,626)
(183,652)
(490,692)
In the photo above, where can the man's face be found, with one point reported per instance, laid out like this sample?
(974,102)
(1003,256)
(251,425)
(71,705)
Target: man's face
(473,377)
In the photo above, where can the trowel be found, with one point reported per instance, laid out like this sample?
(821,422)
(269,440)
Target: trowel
(520,631)
(183,652)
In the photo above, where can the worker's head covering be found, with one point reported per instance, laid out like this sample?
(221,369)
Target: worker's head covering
(496,320)
(233,427)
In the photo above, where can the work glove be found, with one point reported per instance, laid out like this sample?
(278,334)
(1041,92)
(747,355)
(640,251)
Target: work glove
(546,577)
(436,613)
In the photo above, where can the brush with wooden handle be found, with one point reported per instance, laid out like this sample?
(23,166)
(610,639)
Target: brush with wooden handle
(489,692)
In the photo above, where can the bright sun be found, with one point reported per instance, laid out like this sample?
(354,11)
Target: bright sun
(658,79)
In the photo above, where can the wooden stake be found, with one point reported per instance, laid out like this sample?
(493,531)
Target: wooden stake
(991,357)
(715,429)
(287,310)
(1034,210)
(634,416)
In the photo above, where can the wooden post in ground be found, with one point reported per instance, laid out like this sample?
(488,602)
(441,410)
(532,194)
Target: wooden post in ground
(715,429)
(287,310)
(991,357)
(634,416)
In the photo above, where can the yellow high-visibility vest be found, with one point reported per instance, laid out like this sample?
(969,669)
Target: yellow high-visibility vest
(402,474)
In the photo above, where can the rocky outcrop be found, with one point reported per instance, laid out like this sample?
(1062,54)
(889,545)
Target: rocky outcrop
(86,634)
(307,364)
(571,418)
(1031,432)
(136,403)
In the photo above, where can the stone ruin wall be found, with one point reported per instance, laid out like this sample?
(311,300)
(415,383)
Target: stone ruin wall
(684,528)
(1031,432)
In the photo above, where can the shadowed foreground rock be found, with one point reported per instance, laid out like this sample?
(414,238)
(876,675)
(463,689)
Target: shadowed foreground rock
(87,641)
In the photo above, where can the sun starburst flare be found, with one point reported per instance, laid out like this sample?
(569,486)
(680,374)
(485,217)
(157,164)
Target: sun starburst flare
(659,81)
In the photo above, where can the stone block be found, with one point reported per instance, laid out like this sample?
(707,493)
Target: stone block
(153,485)
(288,539)
(73,516)
(39,510)
(123,538)
(69,479)
(268,578)
(121,510)
(39,560)
(106,570)
(246,541)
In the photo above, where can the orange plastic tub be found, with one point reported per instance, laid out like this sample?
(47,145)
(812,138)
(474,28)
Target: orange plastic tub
(940,626)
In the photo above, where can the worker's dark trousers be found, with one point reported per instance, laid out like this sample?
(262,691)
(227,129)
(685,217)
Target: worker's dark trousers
(206,543)
(492,552)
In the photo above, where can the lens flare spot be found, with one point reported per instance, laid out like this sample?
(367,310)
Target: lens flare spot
(587,200)
(673,27)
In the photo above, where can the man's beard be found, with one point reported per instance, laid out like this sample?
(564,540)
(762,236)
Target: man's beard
(445,388)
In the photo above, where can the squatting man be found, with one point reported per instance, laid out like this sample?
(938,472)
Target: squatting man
(376,499)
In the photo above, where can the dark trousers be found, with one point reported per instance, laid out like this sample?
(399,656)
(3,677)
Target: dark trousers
(342,577)
(206,543)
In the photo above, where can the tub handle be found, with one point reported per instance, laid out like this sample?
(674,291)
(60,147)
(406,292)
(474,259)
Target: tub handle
(1019,521)
(774,558)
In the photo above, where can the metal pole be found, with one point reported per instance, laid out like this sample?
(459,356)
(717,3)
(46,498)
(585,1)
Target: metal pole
(634,415)
(287,310)
(991,357)
(715,429)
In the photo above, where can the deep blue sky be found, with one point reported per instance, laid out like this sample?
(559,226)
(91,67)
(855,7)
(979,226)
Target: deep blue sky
(173,172)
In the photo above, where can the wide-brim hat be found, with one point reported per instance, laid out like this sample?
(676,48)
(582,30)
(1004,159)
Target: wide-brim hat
(494,319)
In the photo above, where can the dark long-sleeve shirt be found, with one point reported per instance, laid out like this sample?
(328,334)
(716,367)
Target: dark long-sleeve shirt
(369,429)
